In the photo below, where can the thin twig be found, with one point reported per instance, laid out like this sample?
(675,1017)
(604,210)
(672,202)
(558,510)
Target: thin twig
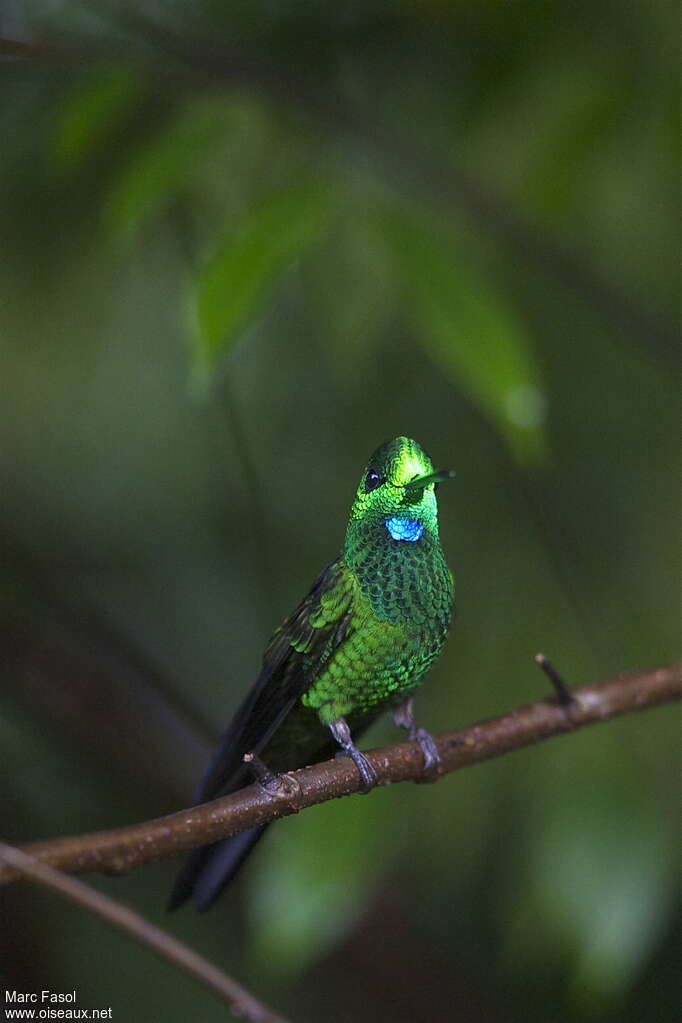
(564,694)
(124,919)
(122,849)
(260,771)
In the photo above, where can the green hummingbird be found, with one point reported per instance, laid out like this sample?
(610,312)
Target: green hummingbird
(360,641)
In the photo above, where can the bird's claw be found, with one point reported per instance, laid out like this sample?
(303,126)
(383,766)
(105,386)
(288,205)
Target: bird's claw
(427,744)
(369,776)
(403,716)
(341,733)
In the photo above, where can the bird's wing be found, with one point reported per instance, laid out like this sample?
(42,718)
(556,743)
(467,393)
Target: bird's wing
(294,655)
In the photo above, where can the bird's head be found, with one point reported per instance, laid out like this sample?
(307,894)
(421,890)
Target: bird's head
(396,493)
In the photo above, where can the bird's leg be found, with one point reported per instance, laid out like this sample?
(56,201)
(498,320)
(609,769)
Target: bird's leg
(404,718)
(341,733)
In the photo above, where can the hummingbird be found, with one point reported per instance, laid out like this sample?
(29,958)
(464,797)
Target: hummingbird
(359,643)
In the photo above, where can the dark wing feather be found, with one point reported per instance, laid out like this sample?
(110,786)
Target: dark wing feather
(293,657)
(295,654)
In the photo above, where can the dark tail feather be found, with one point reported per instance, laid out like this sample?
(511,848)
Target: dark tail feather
(208,869)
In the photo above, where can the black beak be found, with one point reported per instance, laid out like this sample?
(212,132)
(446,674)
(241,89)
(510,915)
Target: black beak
(423,481)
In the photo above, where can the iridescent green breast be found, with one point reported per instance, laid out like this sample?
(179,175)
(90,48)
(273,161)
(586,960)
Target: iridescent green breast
(401,612)
(405,582)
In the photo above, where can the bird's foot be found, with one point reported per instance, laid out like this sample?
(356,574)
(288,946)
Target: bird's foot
(404,718)
(369,776)
(341,733)
(427,744)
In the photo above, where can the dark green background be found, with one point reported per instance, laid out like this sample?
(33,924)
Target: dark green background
(240,249)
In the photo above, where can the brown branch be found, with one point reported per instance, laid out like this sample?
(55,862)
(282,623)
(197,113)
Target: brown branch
(120,850)
(124,919)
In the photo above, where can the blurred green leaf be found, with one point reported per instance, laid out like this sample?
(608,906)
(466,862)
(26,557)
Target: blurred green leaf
(351,286)
(162,166)
(604,867)
(250,260)
(598,869)
(91,114)
(129,496)
(467,327)
(312,883)
(580,122)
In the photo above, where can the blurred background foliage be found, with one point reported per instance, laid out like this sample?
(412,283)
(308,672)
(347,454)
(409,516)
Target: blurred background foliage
(243,244)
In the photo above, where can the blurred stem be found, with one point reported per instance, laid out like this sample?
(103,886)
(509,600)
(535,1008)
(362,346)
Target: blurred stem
(55,596)
(228,409)
(535,488)
(259,528)
(122,849)
(241,1002)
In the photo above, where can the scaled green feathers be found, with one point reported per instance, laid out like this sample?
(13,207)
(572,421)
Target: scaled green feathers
(360,642)
(400,591)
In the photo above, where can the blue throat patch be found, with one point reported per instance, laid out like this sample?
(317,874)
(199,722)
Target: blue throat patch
(405,529)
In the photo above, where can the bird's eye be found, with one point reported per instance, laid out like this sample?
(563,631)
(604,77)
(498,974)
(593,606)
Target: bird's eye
(373,479)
